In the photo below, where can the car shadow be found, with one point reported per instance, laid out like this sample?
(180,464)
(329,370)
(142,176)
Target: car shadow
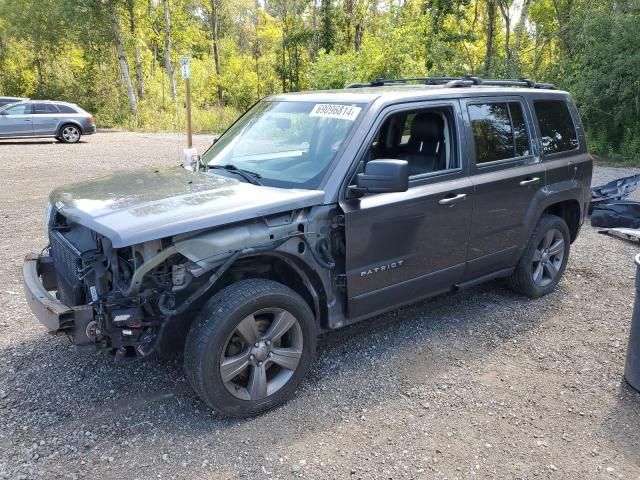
(37,142)
(27,142)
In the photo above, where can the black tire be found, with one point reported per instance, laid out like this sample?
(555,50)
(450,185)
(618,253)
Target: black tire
(69,133)
(523,280)
(216,330)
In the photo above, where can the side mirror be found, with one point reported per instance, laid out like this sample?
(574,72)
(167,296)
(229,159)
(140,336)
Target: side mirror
(383,176)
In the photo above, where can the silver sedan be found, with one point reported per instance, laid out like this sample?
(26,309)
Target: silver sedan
(35,118)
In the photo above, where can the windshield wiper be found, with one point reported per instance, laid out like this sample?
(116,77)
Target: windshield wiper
(249,176)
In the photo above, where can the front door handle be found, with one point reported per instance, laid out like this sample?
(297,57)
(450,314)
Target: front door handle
(530,181)
(455,199)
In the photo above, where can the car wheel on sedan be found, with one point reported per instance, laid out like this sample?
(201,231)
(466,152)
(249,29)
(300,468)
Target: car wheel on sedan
(250,347)
(544,259)
(69,134)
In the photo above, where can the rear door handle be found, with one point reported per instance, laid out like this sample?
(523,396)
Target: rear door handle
(530,181)
(455,199)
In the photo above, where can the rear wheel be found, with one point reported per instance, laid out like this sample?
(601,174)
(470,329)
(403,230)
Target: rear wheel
(250,348)
(69,134)
(544,259)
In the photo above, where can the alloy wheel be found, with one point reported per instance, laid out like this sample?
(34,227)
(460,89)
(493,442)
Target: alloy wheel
(261,354)
(70,134)
(548,257)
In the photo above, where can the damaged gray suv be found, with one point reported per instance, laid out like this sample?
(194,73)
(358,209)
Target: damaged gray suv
(311,212)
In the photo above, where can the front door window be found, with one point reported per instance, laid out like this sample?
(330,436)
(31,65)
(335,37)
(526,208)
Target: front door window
(422,137)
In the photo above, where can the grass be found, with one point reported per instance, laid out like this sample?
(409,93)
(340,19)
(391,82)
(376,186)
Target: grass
(617,160)
(203,120)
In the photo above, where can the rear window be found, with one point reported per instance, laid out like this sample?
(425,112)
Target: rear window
(557,131)
(66,109)
(499,131)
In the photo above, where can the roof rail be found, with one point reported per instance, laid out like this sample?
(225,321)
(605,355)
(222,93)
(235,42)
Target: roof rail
(455,82)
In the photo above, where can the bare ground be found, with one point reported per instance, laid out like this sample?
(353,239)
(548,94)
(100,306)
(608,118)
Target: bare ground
(480,384)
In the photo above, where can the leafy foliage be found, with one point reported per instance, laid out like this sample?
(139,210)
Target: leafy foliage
(242,50)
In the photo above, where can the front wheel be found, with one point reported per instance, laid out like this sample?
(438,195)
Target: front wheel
(70,134)
(250,347)
(544,259)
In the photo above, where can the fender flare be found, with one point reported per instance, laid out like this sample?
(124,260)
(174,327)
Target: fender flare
(68,122)
(312,282)
(550,195)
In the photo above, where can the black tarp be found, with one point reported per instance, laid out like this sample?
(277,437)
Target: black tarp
(624,213)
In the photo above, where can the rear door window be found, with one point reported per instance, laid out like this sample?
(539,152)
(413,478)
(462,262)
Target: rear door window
(557,131)
(44,108)
(499,131)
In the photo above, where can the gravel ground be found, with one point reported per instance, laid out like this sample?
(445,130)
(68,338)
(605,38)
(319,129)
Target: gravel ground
(480,384)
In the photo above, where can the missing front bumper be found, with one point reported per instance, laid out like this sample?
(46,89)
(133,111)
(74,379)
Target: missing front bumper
(39,278)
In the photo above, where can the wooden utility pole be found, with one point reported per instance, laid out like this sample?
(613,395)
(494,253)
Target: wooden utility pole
(189,134)
(186,74)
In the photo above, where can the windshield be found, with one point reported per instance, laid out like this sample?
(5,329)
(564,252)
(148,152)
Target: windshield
(287,144)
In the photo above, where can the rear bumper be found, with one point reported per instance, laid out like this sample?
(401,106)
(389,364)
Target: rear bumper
(38,276)
(90,130)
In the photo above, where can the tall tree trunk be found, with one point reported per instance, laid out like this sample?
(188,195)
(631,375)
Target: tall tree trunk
(216,50)
(315,39)
(491,24)
(256,46)
(136,53)
(40,76)
(327,27)
(167,50)
(519,34)
(357,39)
(563,16)
(348,10)
(506,15)
(122,59)
(284,50)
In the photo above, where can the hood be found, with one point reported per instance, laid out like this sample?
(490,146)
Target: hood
(139,206)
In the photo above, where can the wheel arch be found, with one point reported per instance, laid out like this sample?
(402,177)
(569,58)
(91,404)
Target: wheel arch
(287,270)
(563,201)
(68,122)
(569,210)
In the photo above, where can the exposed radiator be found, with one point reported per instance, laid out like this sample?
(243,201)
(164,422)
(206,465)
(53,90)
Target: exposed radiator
(68,262)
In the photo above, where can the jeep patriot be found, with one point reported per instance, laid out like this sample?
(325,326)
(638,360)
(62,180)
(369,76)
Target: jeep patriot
(313,211)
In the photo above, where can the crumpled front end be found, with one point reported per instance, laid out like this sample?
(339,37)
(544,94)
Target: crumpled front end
(128,299)
(98,295)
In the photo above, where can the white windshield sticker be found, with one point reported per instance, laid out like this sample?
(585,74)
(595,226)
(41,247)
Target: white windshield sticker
(330,110)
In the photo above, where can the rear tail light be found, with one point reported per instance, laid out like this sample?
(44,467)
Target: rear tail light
(90,119)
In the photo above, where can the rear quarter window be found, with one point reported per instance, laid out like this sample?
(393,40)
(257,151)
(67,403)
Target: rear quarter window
(557,130)
(66,109)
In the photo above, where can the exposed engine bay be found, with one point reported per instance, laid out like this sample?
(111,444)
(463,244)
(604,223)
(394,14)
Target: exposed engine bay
(151,291)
